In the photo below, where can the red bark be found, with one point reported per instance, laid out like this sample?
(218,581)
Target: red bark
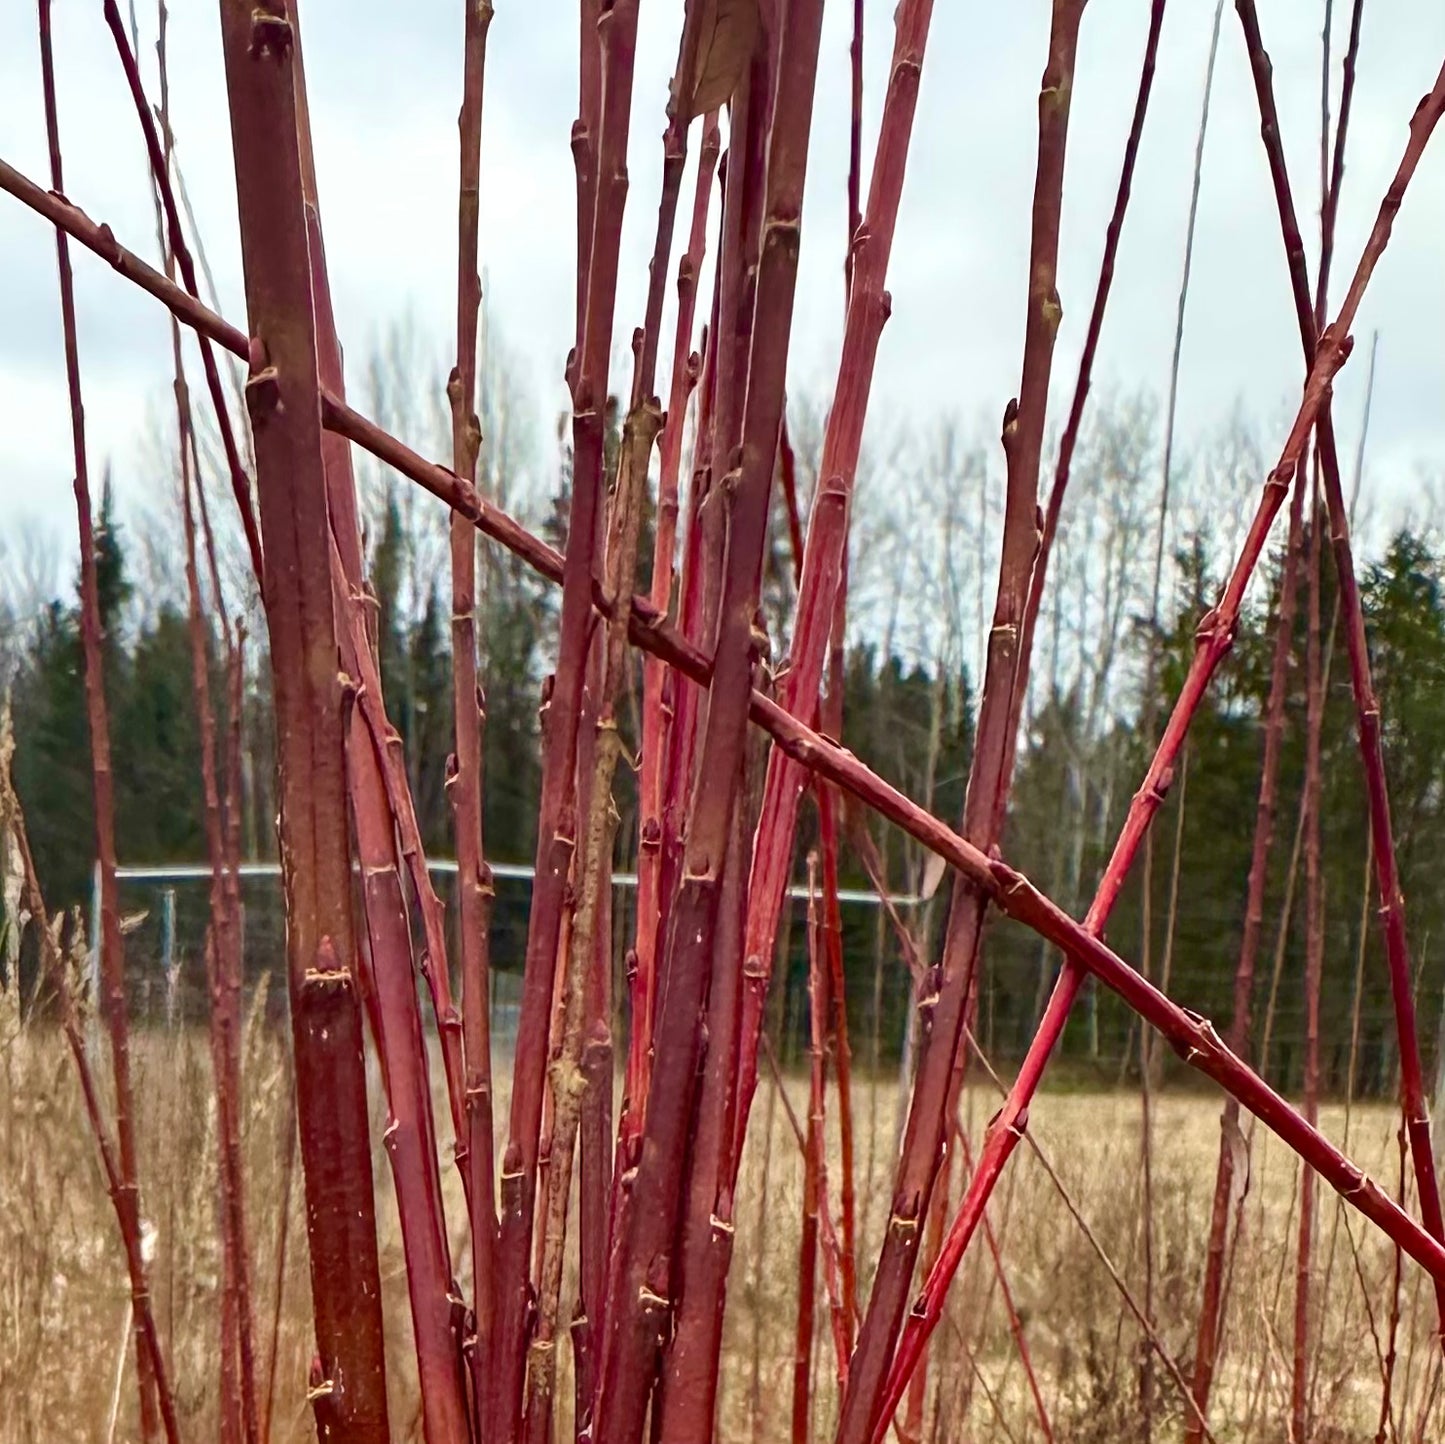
(349,1397)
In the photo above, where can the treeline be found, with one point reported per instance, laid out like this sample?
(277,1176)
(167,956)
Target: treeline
(919,602)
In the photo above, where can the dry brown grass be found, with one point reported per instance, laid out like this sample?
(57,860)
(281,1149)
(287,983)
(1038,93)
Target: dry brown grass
(63,1298)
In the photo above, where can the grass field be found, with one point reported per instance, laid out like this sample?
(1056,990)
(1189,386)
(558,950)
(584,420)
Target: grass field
(64,1305)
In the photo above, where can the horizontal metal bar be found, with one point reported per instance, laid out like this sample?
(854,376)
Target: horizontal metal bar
(512,871)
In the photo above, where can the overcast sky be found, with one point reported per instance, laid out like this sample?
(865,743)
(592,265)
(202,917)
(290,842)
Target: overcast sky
(384,83)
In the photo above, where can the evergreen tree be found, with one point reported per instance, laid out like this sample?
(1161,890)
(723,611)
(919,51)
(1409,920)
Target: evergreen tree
(52,762)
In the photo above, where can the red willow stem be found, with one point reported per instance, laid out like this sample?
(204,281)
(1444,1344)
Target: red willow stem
(1387,1369)
(868,306)
(110,942)
(689,1378)
(749,119)
(349,1392)
(944,1011)
(1332,166)
(838,1275)
(222,964)
(223,941)
(855,144)
(599,140)
(1213,639)
(1367,707)
(681,699)
(55,208)
(595,1147)
(585,138)
(656,714)
(639,1304)
(909,1422)
(704,1233)
(283,1240)
(817,1221)
(814,1168)
(1112,235)
(240,482)
(842,1052)
(680,111)
(409,1135)
(1314,959)
(936,1220)
(55,967)
(596,1053)
(788,480)
(464,783)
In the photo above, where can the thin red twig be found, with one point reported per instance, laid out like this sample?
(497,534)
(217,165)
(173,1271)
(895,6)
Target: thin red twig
(112,948)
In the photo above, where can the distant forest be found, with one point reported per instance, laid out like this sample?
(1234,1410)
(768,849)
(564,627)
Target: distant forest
(1114,643)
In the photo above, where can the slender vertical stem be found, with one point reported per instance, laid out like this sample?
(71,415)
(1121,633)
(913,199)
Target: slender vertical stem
(1067,442)
(222,962)
(349,1390)
(1387,1380)
(389,971)
(814,1165)
(657,715)
(1211,1307)
(283,1241)
(686,1406)
(1314,954)
(855,141)
(842,1050)
(464,783)
(110,942)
